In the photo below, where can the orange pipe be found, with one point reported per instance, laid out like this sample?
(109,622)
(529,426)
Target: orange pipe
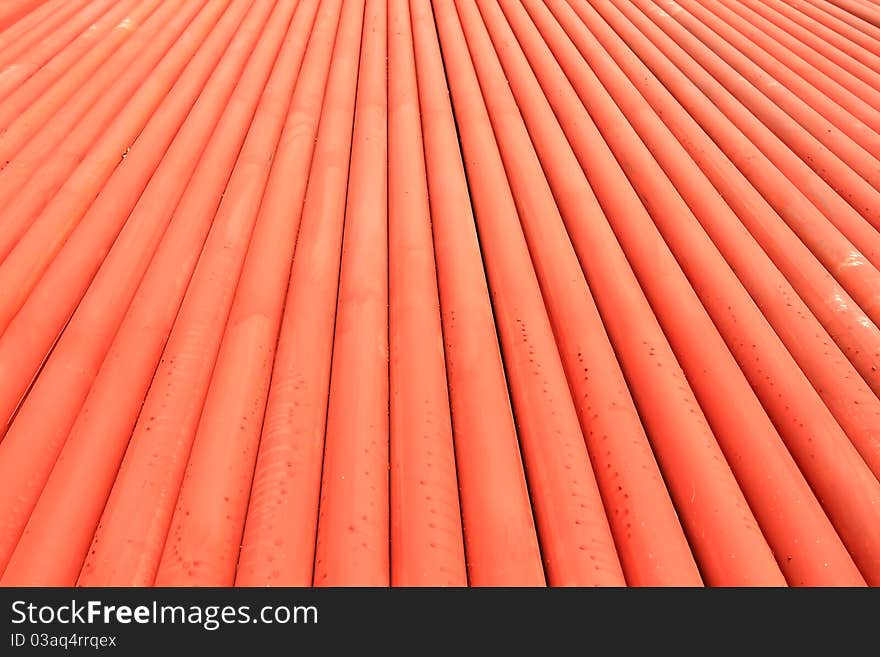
(22,348)
(15,10)
(56,31)
(50,205)
(842,22)
(822,195)
(867,13)
(353,535)
(853,404)
(279,540)
(30,20)
(841,161)
(205,535)
(499,532)
(144,332)
(827,121)
(576,541)
(806,63)
(427,548)
(858,77)
(679,433)
(76,359)
(56,295)
(672,425)
(845,110)
(430,293)
(627,474)
(682,317)
(35,69)
(827,35)
(828,245)
(789,514)
(68,71)
(31,141)
(35,438)
(285,193)
(793,515)
(837,25)
(162,439)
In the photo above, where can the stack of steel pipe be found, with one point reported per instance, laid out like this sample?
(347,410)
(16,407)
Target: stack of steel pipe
(440,293)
